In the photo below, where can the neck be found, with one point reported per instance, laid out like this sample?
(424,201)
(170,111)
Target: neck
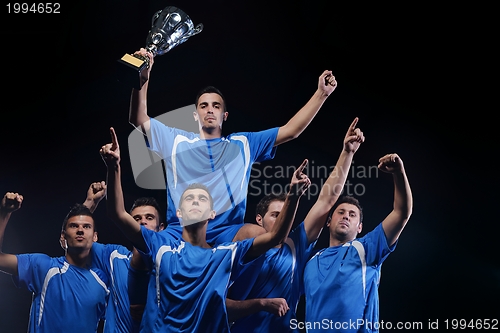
(210,133)
(78,258)
(336,240)
(196,234)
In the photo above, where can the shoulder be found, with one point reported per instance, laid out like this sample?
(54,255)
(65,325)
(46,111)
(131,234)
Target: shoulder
(103,249)
(267,132)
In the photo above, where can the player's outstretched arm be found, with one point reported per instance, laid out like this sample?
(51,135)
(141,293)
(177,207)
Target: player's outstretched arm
(299,122)
(298,186)
(115,203)
(10,203)
(394,223)
(239,309)
(332,188)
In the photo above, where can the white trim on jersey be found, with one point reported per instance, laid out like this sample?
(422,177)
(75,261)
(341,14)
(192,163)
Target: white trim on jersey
(246,149)
(163,249)
(178,140)
(52,272)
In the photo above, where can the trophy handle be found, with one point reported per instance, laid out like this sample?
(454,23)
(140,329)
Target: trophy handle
(155,17)
(197,30)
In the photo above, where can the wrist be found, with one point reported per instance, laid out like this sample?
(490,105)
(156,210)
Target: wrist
(321,94)
(347,152)
(4,213)
(294,194)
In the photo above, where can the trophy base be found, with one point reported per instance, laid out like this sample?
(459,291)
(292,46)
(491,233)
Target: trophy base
(131,71)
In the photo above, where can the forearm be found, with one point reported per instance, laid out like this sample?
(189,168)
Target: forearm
(333,186)
(403,199)
(116,207)
(8,262)
(90,204)
(239,309)
(395,222)
(4,219)
(299,122)
(138,110)
(284,222)
(281,228)
(328,196)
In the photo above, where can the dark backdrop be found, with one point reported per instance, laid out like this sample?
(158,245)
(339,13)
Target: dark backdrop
(401,69)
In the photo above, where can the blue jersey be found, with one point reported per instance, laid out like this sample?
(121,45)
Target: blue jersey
(280,276)
(188,284)
(223,165)
(341,285)
(65,297)
(114,260)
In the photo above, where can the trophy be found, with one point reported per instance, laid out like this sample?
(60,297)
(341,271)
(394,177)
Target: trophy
(169,28)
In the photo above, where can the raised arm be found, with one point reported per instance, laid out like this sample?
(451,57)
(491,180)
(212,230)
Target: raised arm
(10,203)
(95,193)
(298,123)
(298,186)
(115,204)
(138,109)
(394,223)
(331,190)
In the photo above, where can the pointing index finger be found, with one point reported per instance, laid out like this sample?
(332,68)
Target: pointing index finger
(114,139)
(353,125)
(302,166)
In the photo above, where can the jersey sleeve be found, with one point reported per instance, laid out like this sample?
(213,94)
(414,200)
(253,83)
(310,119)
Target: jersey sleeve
(243,266)
(262,143)
(300,249)
(161,138)
(150,239)
(376,246)
(31,269)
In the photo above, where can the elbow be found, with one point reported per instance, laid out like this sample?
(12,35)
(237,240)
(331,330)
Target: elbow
(405,215)
(291,136)
(134,121)
(408,209)
(408,213)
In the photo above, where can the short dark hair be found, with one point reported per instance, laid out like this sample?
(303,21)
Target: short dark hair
(349,200)
(263,204)
(194,186)
(148,201)
(210,90)
(75,210)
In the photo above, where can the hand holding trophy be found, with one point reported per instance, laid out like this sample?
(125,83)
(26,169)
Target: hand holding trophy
(169,27)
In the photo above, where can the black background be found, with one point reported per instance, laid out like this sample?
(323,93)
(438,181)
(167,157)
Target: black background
(410,73)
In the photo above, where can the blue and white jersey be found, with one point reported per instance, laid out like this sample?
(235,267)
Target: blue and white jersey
(188,284)
(223,165)
(114,261)
(65,297)
(280,276)
(341,284)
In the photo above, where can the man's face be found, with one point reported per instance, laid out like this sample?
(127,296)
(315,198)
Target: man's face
(147,216)
(79,233)
(345,223)
(267,221)
(210,112)
(195,207)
